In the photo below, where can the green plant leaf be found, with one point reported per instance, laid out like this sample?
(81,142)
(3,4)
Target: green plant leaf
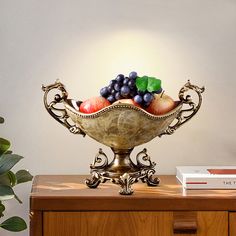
(2,209)
(8,178)
(18,199)
(6,192)
(14,224)
(7,161)
(23,176)
(8,152)
(1,120)
(4,179)
(142,83)
(153,84)
(12,178)
(4,145)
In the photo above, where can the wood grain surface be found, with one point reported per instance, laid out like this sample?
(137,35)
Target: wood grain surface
(36,223)
(129,223)
(185,222)
(64,205)
(232,223)
(68,192)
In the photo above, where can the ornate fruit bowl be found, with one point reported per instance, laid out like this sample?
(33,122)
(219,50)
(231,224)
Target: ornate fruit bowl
(121,127)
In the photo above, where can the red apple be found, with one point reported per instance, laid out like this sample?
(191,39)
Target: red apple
(161,104)
(93,104)
(127,101)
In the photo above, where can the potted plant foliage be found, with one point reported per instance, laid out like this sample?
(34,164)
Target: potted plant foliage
(9,179)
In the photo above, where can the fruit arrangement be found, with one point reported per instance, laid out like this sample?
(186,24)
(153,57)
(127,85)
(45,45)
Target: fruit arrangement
(144,92)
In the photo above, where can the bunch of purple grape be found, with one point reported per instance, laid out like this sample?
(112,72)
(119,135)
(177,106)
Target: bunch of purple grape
(125,88)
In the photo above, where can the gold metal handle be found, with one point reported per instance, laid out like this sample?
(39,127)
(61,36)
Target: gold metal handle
(59,114)
(186,114)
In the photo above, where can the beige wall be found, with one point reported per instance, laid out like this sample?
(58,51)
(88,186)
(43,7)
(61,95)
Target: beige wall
(87,43)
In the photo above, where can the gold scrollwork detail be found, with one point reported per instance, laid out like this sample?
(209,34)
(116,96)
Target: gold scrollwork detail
(100,161)
(59,114)
(146,158)
(181,118)
(125,181)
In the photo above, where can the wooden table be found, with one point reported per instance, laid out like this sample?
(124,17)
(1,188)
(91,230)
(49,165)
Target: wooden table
(62,205)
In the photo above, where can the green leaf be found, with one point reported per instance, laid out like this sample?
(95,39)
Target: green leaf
(141,83)
(8,178)
(12,178)
(6,192)
(4,179)
(18,199)
(2,209)
(153,84)
(4,145)
(23,176)
(8,152)
(14,224)
(1,120)
(7,161)
(149,84)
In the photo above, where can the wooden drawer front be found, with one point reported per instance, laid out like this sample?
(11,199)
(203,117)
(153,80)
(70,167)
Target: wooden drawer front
(128,223)
(232,223)
(107,223)
(212,223)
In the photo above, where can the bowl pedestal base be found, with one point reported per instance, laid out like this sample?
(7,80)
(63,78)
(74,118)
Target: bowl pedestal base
(122,171)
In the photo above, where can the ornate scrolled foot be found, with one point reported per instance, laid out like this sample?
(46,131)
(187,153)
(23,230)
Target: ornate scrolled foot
(148,178)
(94,181)
(102,171)
(97,170)
(125,182)
(147,168)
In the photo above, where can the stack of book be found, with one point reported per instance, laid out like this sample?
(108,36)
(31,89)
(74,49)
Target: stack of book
(207,177)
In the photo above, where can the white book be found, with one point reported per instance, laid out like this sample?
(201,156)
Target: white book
(207,177)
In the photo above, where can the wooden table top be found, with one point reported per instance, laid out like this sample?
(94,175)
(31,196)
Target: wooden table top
(69,192)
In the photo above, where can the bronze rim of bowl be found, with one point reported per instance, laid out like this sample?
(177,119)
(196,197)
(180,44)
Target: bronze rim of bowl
(70,104)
